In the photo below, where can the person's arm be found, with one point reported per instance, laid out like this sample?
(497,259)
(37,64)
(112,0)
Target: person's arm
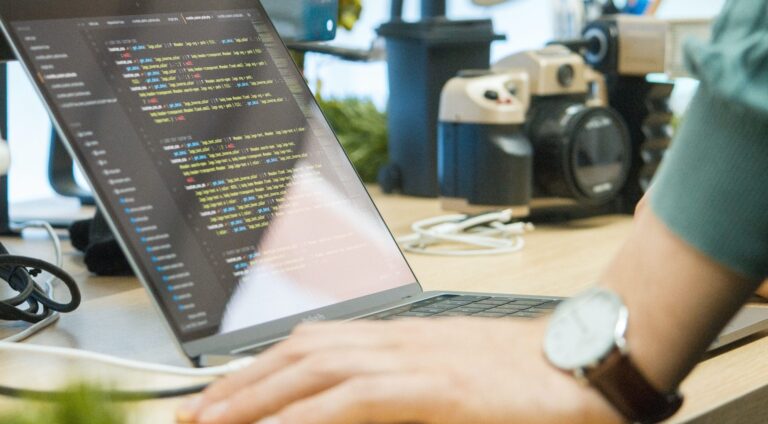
(712,196)
(483,371)
(762,291)
(678,299)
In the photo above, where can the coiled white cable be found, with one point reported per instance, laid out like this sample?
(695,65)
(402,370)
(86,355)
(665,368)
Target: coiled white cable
(487,234)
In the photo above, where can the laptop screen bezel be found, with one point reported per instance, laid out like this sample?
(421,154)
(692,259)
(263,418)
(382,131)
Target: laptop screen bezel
(32,10)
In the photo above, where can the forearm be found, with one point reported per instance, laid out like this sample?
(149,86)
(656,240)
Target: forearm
(698,252)
(678,299)
(763,290)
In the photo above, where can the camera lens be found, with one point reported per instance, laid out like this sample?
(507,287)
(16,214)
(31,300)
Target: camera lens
(598,154)
(581,152)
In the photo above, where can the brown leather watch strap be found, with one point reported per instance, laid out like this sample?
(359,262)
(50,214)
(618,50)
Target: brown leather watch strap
(625,387)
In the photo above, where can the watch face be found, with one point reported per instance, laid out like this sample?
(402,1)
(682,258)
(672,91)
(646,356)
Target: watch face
(585,329)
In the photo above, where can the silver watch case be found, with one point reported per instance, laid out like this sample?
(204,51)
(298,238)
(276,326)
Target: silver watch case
(585,330)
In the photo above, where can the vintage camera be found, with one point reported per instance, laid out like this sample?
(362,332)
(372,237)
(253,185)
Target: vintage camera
(626,49)
(534,135)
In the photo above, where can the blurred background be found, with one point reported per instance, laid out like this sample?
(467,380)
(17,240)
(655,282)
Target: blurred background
(527,24)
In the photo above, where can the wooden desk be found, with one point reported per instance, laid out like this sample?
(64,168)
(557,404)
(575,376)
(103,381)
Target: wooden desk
(558,260)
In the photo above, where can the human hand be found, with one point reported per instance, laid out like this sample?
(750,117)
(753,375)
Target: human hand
(419,371)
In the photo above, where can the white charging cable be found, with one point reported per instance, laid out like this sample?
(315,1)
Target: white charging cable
(68,353)
(487,234)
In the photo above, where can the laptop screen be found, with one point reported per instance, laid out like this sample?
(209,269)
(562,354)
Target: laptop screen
(205,146)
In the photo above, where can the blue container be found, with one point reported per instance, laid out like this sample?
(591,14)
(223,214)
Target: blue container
(422,57)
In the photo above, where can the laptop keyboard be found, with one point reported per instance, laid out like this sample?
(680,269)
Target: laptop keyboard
(474,306)
(450,305)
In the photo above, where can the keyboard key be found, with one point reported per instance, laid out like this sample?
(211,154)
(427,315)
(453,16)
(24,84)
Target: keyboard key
(495,311)
(490,315)
(510,307)
(493,301)
(532,302)
(430,310)
(450,314)
(451,303)
(439,298)
(427,302)
(471,309)
(540,311)
(415,314)
(525,314)
(470,298)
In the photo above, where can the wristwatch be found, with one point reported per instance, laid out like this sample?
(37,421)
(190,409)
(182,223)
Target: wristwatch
(586,337)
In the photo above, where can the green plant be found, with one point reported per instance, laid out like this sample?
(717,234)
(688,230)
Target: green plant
(80,404)
(362,130)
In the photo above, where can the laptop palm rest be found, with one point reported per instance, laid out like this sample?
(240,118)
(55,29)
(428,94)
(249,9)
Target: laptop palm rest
(749,321)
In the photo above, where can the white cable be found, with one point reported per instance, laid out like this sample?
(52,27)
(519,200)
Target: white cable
(69,353)
(48,286)
(488,234)
(10,344)
(58,252)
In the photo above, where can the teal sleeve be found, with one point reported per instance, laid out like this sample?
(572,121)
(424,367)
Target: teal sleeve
(712,189)
(734,64)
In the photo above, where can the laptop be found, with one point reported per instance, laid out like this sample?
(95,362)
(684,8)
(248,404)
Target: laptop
(220,177)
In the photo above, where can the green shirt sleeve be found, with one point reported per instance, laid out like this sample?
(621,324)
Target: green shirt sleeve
(712,189)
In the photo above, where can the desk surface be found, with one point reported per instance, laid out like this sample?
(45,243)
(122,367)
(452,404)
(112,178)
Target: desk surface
(559,260)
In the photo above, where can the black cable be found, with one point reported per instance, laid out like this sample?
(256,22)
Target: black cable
(19,273)
(113,396)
